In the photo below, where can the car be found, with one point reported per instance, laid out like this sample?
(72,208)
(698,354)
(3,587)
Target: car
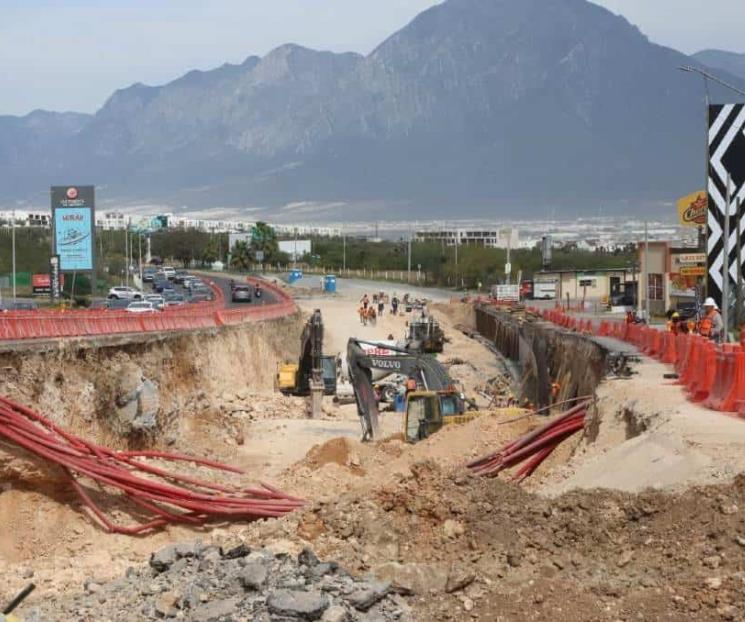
(170,272)
(200,294)
(242,293)
(124,293)
(175,301)
(191,283)
(156,300)
(140,306)
(687,310)
(21,305)
(180,277)
(114,304)
(161,285)
(148,274)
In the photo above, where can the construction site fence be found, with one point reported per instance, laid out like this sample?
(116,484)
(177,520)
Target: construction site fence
(51,324)
(711,374)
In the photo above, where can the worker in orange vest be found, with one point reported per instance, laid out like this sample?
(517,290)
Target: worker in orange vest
(673,324)
(711,325)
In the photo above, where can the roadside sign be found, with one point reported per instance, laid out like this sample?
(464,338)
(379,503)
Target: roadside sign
(507,293)
(508,268)
(693,271)
(259,256)
(74,227)
(42,283)
(55,278)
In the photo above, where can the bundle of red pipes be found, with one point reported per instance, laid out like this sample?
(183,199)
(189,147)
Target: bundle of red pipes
(166,496)
(534,447)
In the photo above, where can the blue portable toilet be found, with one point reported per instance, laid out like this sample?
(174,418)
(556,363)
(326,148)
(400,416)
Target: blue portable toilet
(295,275)
(329,284)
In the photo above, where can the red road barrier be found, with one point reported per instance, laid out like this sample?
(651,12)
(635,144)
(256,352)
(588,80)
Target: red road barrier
(53,324)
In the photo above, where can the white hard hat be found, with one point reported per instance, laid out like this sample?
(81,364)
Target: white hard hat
(709,302)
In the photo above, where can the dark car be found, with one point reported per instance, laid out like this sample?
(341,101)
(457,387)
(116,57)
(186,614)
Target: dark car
(115,304)
(162,284)
(148,274)
(200,294)
(242,293)
(686,310)
(180,276)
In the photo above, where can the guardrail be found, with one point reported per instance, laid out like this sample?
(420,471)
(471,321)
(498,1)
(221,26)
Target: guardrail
(52,324)
(711,374)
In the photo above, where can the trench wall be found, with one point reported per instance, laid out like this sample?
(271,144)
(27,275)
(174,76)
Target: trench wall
(544,354)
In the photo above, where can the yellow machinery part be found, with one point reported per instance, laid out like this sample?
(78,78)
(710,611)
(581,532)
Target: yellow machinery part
(286,376)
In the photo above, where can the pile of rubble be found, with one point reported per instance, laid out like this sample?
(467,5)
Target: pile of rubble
(462,546)
(189,581)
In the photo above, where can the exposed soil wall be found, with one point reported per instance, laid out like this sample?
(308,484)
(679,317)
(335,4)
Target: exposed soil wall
(544,354)
(89,390)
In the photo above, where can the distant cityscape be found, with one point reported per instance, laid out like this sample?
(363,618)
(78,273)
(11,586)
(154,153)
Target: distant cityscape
(592,233)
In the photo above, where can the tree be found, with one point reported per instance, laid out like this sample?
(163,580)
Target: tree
(264,239)
(241,257)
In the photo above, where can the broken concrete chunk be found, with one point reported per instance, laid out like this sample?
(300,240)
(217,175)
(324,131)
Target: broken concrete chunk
(305,605)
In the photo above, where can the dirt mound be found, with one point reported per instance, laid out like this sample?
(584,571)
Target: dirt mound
(478,543)
(340,451)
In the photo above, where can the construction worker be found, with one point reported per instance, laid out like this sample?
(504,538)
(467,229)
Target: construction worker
(555,388)
(365,301)
(410,384)
(711,325)
(673,324)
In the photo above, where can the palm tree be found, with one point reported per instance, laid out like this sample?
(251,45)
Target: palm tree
(241,257)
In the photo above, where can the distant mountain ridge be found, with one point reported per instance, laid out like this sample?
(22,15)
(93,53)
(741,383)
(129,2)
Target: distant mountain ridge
(476,107)
(730,62)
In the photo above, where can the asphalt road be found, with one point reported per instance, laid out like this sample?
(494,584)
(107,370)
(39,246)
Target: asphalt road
(356,288)
(267,297)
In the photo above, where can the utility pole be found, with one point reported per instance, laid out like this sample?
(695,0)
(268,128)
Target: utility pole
(738,297)
(294,254)
(408,270)
(646,271)
(126,253)
(13,237)
(344,250)
(725,263)
(139,248)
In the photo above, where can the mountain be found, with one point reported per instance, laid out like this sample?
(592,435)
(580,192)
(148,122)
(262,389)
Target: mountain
(725,61)
(475,108)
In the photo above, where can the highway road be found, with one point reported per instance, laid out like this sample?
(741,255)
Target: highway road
(223,282)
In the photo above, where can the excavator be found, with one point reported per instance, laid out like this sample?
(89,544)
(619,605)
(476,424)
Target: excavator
(424,335)
(296,378)
(438,403)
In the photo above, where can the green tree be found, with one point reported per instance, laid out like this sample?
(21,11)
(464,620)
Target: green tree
(241,257)
(264,238)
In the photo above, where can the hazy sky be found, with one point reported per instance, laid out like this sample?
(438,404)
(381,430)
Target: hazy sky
(72,54)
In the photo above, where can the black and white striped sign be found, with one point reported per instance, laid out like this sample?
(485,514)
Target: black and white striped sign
(726,160)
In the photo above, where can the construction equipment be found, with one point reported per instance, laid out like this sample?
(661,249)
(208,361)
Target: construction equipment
(438,403)
(296,378)
(424,335)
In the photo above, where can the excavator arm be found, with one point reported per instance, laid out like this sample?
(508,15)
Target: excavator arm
(428,372)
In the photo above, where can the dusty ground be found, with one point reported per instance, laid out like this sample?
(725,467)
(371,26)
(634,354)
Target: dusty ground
(457,547)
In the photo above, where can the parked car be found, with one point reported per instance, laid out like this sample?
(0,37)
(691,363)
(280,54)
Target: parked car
(161,285)
(125,293)
(115,304)
(687,310)
(170,272)
(148,274)
(140,306)
(180,276)
(21,305)
(156,300)
(175,300)
(242,293)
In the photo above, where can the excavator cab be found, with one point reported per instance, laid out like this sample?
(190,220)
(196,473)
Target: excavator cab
(428,411)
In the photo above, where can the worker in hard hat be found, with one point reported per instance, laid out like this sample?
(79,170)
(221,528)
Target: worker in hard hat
(673,324)
(711,325)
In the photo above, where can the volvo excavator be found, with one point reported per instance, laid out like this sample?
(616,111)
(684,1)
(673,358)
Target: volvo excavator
(437,403)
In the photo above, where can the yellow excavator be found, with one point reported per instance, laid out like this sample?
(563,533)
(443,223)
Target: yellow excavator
(435,403)
(295,378)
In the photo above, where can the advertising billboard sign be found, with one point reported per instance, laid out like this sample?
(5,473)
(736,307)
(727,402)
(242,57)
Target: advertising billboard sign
(692,209)
(42,283)
(55,278)
(74,226)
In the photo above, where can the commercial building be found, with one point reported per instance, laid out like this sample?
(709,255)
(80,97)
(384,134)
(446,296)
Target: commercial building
(675,276)
(598,285)
(504,237)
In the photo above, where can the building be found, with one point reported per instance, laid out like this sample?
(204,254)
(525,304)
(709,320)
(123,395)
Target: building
(598,285)
(296,249)
(505,237)
(676,276)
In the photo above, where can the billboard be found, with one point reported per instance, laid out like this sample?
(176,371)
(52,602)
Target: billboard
(74,227)
(692,209)
(42,283)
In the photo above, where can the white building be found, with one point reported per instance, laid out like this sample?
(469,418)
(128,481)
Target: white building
(488,237)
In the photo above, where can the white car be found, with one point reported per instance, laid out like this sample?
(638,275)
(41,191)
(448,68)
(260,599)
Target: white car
(125,293)
(142,306)
(170,272)
(156,300)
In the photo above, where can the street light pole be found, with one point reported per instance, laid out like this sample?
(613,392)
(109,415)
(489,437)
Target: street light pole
(712,77)
(13,237)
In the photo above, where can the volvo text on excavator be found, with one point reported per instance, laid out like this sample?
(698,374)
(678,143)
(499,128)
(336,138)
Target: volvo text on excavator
(436,403)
